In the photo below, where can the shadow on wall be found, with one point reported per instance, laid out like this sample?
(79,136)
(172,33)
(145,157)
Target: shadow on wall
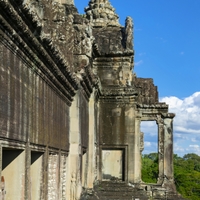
(8,156)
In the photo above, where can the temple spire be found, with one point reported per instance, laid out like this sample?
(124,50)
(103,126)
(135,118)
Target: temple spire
(101,13)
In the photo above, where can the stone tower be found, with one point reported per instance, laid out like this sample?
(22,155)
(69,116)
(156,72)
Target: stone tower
(125,101)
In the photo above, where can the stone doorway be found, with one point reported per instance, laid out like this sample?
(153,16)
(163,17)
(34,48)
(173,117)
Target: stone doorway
(150,151)
(13,173)
(113,162)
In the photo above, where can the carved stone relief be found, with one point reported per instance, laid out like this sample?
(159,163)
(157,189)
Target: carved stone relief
(101,13)
(63,176)
(83,39)
(73,187)
(129,33)
(53,177)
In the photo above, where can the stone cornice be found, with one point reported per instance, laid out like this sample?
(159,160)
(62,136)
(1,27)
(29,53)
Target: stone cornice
(119,92)
(126,52)
(121,58)
(118,100)
(153,106)
(122,96)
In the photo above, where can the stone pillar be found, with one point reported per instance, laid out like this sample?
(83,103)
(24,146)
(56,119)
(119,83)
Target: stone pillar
(75,152)
(2,181)
(132,127)
(129,131)
(137,152)
(168,152)
(45,174)
(91,147)
(27,172)
(160,123)
(97,146)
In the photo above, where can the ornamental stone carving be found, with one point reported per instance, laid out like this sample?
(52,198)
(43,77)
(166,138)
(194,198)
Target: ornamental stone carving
(101,13)
(73,187)
(129,33)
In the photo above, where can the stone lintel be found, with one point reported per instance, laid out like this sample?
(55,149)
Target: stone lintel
(168,115)
(119,100)
(119,91)
(126,54)
(117,58)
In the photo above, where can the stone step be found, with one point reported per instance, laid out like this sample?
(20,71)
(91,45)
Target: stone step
(123,191)
(112,195)
(121,184)
(120,198)
(116,189)
(109,193)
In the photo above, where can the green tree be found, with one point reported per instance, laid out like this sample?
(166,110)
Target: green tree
(150,168)
(186,173)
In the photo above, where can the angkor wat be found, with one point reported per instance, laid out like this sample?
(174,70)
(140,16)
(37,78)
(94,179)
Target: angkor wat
(71,106)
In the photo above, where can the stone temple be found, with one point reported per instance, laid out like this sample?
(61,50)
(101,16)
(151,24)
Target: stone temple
(71,106)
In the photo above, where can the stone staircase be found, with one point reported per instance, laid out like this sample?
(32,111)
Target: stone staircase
(124,191)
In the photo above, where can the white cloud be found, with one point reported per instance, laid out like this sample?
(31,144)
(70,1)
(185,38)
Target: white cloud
(186,125)
(194,149)
(194,140)
(179,149)
(187,112)
(149,127)
(186,122)
(139,63)
(148,144)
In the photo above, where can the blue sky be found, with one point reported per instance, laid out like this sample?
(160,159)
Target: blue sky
(167,49)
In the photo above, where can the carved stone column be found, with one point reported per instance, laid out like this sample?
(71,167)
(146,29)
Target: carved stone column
(75,150)
(91,147)
(160,123)
(137,152)
(130,129)
(168,152)
(27,171)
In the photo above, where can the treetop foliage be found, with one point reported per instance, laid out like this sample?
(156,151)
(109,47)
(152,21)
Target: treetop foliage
(186,173)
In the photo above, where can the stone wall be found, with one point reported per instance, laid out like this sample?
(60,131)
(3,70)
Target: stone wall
(31,110)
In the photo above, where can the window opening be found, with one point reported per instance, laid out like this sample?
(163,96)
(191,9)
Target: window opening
(149,131)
